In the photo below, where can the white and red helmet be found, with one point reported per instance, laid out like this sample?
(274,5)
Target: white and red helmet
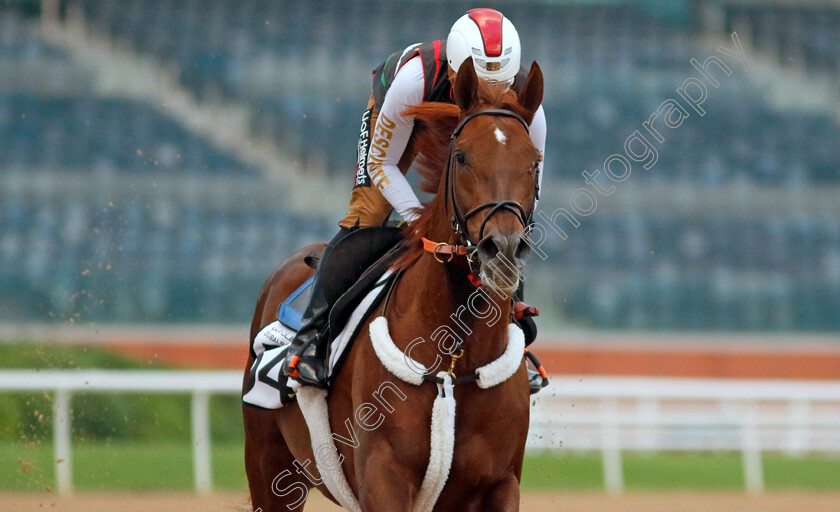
(492,42)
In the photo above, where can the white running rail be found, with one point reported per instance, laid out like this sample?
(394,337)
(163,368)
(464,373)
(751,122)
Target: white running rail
(608,414)
(615,414)
(199,384)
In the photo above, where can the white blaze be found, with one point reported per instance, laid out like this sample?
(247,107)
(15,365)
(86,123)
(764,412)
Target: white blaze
(500,136)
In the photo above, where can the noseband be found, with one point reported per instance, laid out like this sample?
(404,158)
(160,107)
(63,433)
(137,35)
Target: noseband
(459,218)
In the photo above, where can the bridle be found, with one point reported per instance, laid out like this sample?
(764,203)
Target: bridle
(459,225)
(459,218)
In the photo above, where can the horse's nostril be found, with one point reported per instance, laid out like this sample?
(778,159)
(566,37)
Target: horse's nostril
(523,249)
(487,248)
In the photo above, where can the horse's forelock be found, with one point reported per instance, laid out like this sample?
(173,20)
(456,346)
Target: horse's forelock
(503,98)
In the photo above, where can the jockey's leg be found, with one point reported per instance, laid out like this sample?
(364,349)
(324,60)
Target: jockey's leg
(524,315)
(306,359)
(524,318)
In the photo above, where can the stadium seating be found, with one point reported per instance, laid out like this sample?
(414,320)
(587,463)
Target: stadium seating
(624,63)
(108,135)
(804,36)
(302,68)
(687,273)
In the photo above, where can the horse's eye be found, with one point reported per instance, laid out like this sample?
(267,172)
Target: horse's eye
(460,157)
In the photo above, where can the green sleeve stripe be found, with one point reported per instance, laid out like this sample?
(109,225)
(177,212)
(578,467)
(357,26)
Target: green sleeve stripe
(382,78)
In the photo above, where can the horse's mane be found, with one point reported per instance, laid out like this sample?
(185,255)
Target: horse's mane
(434,123)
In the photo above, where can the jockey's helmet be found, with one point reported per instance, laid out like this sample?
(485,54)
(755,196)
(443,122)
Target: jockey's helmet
(492,42)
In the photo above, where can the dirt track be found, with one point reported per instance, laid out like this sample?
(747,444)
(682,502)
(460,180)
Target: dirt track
(531,502)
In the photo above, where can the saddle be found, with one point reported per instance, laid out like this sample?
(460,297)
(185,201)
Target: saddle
(355,265)
(356,269)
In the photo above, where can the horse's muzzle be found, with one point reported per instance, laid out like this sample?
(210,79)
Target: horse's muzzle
(502,260)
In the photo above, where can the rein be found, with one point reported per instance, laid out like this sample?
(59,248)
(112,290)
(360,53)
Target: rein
(459,218)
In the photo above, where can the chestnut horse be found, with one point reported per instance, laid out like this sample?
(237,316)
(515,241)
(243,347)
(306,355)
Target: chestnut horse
(484,181)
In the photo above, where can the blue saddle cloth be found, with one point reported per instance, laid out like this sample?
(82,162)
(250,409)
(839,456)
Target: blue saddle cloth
(290,311)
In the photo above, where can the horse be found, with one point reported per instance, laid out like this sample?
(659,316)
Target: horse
(483,174)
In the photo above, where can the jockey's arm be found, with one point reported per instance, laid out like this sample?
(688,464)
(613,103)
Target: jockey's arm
(537,131)
(390,138)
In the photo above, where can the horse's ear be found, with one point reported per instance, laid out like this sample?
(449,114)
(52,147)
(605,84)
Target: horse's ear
(465,92)
(531,95)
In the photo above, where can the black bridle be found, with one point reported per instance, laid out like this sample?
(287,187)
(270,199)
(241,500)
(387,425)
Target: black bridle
(459,218)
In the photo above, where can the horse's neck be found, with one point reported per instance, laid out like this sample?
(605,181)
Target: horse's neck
(441,302)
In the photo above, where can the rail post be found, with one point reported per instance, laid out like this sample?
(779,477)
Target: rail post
(751,451)
(201,442)
(61,442)
(611,451)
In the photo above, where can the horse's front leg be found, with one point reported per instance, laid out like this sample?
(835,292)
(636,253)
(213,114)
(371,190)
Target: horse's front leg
(385,485)
(503,497)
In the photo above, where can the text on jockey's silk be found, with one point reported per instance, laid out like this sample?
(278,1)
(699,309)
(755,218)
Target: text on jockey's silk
(381,141)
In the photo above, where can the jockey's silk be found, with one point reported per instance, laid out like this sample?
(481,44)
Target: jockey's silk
(435,77)
(405,80)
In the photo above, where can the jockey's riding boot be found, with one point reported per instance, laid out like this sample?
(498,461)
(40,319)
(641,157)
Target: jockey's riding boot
(529,329)
(306,358)
(523,315)
(535,380)
(524,318)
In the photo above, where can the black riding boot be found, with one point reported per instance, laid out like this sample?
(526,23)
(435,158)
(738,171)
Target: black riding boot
(529,328)
(306,358)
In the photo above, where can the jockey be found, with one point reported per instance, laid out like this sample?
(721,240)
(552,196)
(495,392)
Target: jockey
(421,72)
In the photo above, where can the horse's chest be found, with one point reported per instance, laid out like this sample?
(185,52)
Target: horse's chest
(486,449)
(489,443)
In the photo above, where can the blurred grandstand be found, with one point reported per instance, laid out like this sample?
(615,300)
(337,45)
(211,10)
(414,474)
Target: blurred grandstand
(160,157)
